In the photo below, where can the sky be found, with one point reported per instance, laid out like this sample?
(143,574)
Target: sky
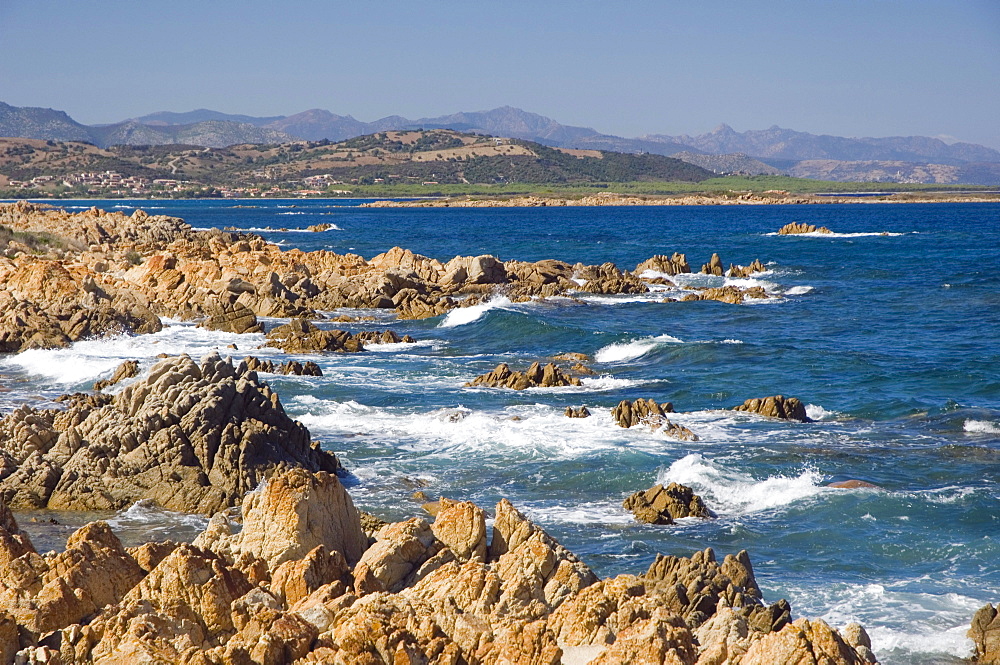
(847,68)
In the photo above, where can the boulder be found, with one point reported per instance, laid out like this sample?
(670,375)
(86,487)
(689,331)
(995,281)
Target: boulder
(192,437)
(536,376)
(292,367)
(776,407)
(608,279)
(663,505)
(577,412)
(744,272)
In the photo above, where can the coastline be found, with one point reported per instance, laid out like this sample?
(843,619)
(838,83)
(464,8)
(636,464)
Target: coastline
(736,198)
(162,262)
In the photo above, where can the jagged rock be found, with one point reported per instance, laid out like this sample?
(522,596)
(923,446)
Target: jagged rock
(301,336)
(801,227)
(663,505)
(577,412)
(776,407)
(461,527)
(191,437)
(384,337)
(607,278)
(296,579)
(536,376)
(675,264)
(395,560)
(713,267)
(231,317)
(572,357)
(745,271)
(292,514)
(319,228)
(127,370)
(293,367)
(985,634)
(14,543)
(802,641)
(628,414)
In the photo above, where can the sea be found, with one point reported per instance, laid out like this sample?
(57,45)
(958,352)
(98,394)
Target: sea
(887,329)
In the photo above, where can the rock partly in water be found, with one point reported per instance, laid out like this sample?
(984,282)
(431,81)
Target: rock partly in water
(985,634)
(289,367)
(577,412)
(663,505)
(536,376)
(193,437)
(776,407)
(675,264)
(234,317)
(628,414)
(743,272)
(129,369)
(793,228)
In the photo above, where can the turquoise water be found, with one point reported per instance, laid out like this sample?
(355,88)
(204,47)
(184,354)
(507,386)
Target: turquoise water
(889,330)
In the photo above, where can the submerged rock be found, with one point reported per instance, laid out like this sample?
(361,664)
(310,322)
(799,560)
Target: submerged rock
(663,505)
(535,376)
(577,412)
(191,436)
(776,407)
(628,414)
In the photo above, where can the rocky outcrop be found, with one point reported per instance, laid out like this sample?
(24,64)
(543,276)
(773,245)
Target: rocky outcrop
(190,436)
(675,264)
(292,367)
(733,295)
(985,634)
(745,271)
(232,317)
(663,505)
(607,278)
(301,336)
(793,228)
(127,370)
(648,412)
(628,414)
(713,267)
(776,407)
(577,412)
(535,376)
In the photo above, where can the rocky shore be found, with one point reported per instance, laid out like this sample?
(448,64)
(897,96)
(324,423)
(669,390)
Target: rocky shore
(288,570)
(774,197)
(101,273)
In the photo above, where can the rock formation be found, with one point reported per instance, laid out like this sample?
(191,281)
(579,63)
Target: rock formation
(745,271)
(793,228)
(663,505)
(535,376)
(299,583)
(674,264)
(191,436)
(232,317)
(985,634)
(577,412)
(776,407)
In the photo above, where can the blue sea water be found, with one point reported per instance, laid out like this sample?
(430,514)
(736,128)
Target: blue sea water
(888,329)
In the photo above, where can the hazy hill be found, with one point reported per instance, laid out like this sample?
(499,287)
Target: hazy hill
(440,156)
(201,115)
(788,144)
(38,123)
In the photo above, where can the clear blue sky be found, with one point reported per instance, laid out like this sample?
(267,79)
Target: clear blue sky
(873,68)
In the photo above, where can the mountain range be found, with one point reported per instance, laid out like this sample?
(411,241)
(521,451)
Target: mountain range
(722,150)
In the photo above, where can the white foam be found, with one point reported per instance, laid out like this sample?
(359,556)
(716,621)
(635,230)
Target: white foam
(698,279)
(534,431)
(731,341)
(622,351)
(981,427)
(816,412)
(609,512)
(817,234)
(466,315)
(395,347)
(731,492)
(798,290)
(89,360)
